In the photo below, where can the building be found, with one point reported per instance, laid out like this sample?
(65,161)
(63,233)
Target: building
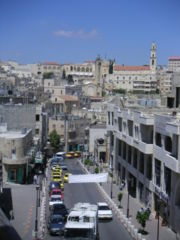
(15,146)
(174,64)
(30,116)
(134,78)
(145,154)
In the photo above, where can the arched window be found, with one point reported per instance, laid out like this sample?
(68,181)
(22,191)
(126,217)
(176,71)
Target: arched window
(78,69)
(83,70)
(71,68)
(87,69)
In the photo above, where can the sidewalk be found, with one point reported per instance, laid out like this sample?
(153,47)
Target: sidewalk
(165,233)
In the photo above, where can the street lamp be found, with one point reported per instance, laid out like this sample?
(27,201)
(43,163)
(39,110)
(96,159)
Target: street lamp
(111,182)
(130,181)
(158,213)
(36,219)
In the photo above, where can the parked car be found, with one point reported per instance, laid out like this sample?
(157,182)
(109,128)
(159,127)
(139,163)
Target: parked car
(55,199)
(69,154)
(60,209)
(57,191)
(66,177)
(54,185)
(63,165)
(77,154)
(104,212)
(56,224)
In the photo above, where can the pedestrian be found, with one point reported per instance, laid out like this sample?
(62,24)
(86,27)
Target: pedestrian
(35,179)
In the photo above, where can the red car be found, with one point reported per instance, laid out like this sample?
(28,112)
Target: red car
(57,191)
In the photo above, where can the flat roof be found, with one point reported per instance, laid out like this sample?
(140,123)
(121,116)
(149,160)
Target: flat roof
(14,134)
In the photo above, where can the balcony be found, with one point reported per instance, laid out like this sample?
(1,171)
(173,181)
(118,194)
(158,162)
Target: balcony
(143,147)
(10,161)
(173,128)
(170,161)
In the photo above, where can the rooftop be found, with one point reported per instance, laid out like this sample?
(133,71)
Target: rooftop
(131,68)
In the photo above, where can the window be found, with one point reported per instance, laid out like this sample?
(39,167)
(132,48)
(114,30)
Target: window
(124,150)
(124,127)
(158,139)
(120,124)
(135,158)
(136,132)
(37,117)
(12,174)
(37,131)
(141,163)
(129,154)
(157,172)
(119,148)
(168,144)
(167,180)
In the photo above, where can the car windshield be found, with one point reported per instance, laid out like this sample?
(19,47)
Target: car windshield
(55,185)
(57,219)
(103,208)
(53,199)
(78,233)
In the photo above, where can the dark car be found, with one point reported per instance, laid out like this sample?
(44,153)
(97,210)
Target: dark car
(63,165)
(60,209)
(56,224)
(54,185)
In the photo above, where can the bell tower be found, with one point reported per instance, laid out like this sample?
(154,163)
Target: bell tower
(153,57)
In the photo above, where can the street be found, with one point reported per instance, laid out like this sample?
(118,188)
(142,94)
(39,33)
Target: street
(87,192)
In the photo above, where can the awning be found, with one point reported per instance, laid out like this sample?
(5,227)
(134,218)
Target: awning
(38,160)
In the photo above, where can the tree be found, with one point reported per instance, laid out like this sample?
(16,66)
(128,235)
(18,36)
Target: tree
(96,170)
(64,74)
(70,79)
(120,195)
(48,75)
(55,140)
(142,217)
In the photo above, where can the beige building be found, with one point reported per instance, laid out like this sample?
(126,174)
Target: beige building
(14,146)
(134,78)
(174,64)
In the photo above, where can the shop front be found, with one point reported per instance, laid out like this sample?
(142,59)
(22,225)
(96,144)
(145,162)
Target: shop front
(16,173)
(161,205)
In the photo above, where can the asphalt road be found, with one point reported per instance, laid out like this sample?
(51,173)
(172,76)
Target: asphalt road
(87,192)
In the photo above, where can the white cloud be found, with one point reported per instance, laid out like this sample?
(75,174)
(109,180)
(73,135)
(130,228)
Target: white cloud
(76,34)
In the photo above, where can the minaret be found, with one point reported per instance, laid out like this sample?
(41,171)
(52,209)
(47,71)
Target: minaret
(153,57)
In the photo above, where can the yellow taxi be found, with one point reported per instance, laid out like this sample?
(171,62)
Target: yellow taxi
(61,184)
(69,154)
(77,154)
(66,177)
(56,178)
(57,171)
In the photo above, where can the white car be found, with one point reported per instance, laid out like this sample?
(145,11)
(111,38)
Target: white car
(104,212)
(55,199)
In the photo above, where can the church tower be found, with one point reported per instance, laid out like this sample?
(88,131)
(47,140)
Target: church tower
(153,57)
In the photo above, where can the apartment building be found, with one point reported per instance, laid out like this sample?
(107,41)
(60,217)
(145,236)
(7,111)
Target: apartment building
(174,64)
(145,153)
(14,146)
(30,116)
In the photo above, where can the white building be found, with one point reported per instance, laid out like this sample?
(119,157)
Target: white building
(134,78)
(145,153)
(174,64)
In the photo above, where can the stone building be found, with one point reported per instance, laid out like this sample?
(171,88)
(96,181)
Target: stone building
(14,146)
(145,153)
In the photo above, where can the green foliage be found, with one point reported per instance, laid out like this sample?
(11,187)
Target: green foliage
(103,93)
(120,195)
(111,63)
(88,162)
(142,217)
(96,170)
(119,90)
(54,140)
(64,74)
(48,75)
(70,79)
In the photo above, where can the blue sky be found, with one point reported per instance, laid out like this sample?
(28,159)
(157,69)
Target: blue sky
(77,30)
